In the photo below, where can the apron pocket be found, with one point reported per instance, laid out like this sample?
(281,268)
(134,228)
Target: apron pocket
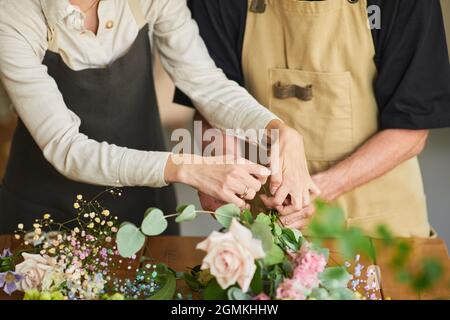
(324,117)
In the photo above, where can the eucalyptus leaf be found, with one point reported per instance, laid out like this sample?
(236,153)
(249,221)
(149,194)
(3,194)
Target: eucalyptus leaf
(328,222)
(247,216)
(235,293)
(214,292)
(226,213)
(188,213)
(274,256)
(264,218)
(167,291)
(319,294)
(154,222)
(129,240)
(334,277)
(341,294)
(354,242)
(263,232)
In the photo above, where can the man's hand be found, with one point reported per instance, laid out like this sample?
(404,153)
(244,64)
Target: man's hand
(376,157)
(290,184)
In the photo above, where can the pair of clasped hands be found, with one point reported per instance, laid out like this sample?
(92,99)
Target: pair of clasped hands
(291,187)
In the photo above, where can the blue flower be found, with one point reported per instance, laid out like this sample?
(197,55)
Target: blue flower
(8,281)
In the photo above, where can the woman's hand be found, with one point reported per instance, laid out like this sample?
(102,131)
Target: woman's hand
(230,183)
(291,185)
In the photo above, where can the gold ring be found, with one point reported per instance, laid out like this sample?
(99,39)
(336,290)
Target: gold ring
(247,190)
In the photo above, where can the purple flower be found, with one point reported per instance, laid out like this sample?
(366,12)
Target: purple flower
(6,254)
(8,281)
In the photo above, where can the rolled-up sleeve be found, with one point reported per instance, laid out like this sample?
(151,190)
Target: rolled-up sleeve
(413,84)
(185,57)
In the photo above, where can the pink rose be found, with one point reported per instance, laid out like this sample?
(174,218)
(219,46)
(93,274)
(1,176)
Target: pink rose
(231,256)
(33,269)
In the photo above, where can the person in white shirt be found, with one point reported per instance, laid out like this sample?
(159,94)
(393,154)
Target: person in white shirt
(79,75)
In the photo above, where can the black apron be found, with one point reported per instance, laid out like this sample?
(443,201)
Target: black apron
(117,105)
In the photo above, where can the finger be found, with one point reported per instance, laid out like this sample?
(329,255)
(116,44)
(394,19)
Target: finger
(257,169)
(292,218)
(299,225)
(309,212)
(267,201)
(297,201)
(251,183)
(287,210)
(232,198)
(251,194)
(261,179)
(306,198)
(280,196)
(276,179)
(315,190)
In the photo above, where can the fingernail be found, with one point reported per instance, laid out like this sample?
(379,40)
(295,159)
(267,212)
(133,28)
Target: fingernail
(273,190)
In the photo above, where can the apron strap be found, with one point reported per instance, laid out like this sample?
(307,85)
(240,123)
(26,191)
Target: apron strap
(136,9)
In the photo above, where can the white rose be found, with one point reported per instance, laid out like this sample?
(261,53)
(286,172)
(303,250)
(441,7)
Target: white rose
(231,256)
(33,269)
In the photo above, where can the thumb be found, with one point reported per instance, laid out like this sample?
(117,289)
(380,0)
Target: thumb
(275,182)
(276,179)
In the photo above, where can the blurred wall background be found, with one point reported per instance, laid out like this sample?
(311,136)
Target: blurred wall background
(435,160)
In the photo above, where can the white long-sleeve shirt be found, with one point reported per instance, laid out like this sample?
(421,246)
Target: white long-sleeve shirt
(40,105)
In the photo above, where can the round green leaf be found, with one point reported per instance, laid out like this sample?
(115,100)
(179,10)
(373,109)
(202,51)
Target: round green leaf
(213,291)
(188,213)
(168,289)
(274,256)
(235,293)
(154,222)
(263,232)
(334,278)
(226,213)
(129,240)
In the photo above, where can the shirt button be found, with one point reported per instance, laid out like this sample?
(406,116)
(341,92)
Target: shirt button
(109,24)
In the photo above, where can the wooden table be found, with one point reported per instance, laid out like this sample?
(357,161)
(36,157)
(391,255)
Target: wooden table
(179,253)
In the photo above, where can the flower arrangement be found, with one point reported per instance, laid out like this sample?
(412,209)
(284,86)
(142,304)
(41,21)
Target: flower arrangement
(251,258)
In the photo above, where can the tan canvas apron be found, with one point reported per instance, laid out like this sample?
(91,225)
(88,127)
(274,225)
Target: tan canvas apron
(290,45)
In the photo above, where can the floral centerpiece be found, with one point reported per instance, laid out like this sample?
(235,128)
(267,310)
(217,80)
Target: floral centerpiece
(251,258)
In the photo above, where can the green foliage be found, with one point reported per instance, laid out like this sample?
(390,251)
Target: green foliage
(167,291)
(264,219)
(154,222)
(341,294)
(257,282)
(274,256)
(263,232)
(247,217)
(384,234)
(214,292)
(328,222)
(187,213)
(235,293)
(226,214)
(334,278)
(354,242)
(429,275)
(129,240)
